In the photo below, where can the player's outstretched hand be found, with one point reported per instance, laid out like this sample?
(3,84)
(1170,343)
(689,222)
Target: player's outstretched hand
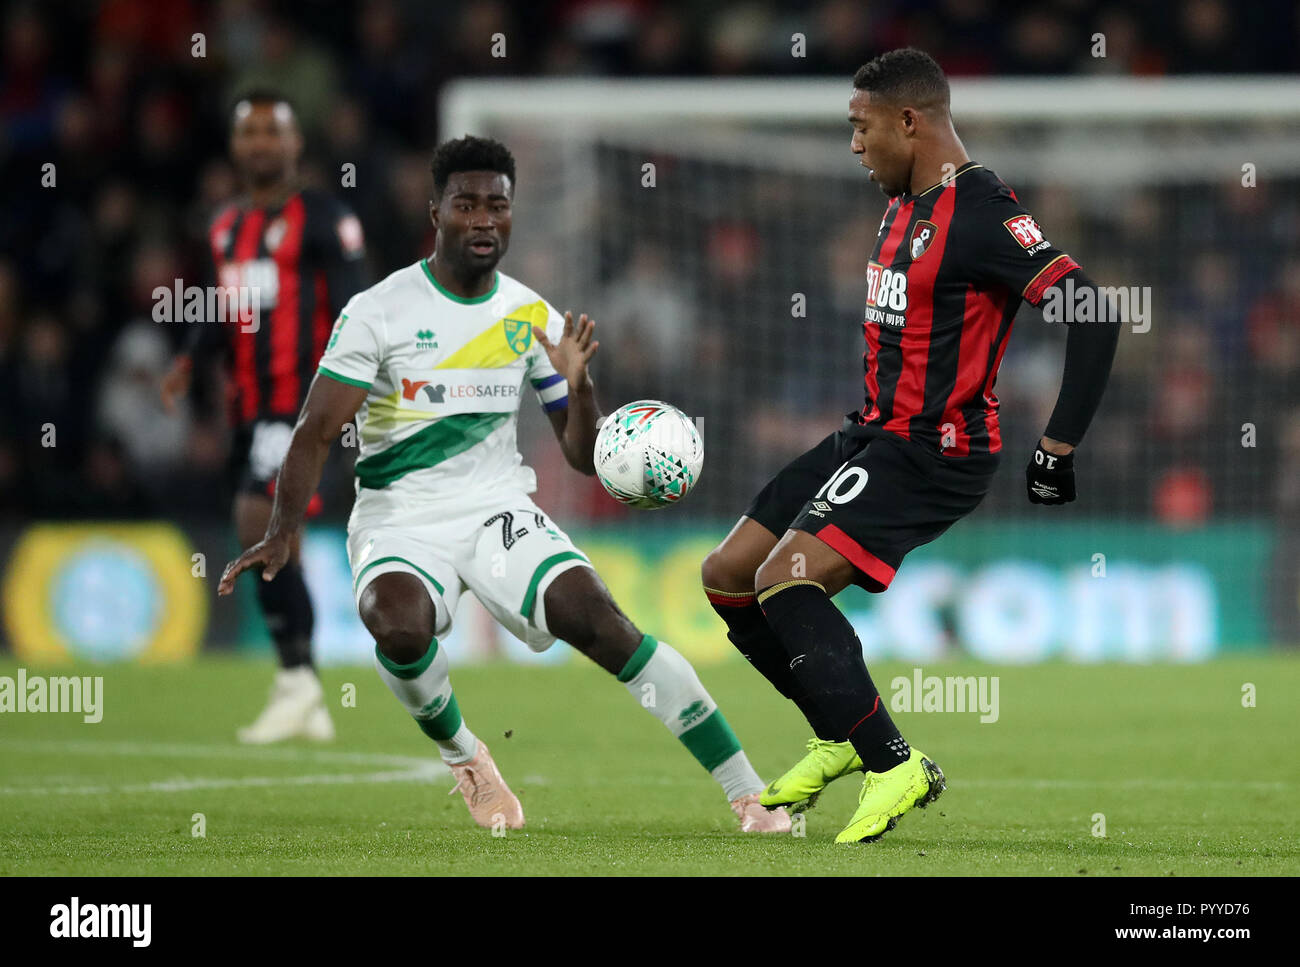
(571,354)
(1050,477)
(270,554)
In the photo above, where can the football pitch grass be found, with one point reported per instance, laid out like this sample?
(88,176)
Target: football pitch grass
(1188,780)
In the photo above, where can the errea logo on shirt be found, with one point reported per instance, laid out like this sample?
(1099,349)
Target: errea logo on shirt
(424,339)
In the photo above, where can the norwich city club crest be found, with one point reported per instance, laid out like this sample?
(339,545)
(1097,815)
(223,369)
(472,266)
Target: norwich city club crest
(519,334)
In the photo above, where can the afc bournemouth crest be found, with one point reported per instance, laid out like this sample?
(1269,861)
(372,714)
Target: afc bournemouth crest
(922,235)
(519,334)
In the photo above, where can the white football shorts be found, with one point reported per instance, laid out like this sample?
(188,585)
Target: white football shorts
(507,554)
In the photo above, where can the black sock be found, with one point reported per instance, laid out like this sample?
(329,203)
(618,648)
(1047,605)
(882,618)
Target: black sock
(286,606)
(826,658)
(749,631)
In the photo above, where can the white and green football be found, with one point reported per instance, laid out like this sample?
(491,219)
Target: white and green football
(648,454)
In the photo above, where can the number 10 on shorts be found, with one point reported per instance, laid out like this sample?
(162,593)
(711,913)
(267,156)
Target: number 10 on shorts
(844,484)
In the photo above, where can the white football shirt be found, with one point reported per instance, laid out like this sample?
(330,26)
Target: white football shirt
(444,375)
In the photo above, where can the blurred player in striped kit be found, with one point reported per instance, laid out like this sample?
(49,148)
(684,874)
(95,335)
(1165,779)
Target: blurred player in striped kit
(299,252)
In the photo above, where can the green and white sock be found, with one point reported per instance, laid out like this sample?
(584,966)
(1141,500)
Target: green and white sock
(424,688)
(666,685)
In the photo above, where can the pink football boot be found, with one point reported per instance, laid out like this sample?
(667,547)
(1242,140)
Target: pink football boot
(489,799)
(755,819)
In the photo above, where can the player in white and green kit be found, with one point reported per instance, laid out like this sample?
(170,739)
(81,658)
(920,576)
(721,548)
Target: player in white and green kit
(433,362)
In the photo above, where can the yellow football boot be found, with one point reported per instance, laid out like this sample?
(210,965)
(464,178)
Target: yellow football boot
(799,788)
(886,796)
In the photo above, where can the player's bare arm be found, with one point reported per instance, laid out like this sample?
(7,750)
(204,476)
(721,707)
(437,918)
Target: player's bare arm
(329,405)
(575,426)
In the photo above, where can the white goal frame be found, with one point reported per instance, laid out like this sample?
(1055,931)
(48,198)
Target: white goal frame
(1076,109)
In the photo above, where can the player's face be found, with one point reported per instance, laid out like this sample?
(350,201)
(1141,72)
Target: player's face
(264,142)
(880,142)
(473,219)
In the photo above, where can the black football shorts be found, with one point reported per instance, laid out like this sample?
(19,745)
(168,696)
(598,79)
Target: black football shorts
(256,453)
(872,496)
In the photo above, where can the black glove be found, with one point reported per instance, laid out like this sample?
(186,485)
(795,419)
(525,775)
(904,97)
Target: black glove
(1050,478)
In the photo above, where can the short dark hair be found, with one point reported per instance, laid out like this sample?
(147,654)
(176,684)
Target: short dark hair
(262,95)
(470,154)
(905,75)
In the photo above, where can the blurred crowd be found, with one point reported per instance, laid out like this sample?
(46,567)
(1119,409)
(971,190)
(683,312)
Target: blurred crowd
(113,122)
(1201,417)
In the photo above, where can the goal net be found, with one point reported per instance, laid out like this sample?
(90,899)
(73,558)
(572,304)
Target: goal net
(719,231)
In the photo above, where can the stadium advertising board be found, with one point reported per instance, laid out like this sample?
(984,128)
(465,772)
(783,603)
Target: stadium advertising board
(103,592)
(999,593)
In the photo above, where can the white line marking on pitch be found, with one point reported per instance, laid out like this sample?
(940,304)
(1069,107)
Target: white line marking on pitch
(410,768)
(188,751)
(1151,783)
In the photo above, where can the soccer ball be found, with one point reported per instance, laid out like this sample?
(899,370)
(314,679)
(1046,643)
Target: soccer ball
(648,454)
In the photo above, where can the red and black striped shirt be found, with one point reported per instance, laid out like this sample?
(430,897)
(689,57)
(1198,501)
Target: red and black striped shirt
(305,258)
(947,274)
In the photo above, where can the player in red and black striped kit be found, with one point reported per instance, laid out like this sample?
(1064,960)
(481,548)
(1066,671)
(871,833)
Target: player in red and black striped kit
(297,255)
(955,256)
